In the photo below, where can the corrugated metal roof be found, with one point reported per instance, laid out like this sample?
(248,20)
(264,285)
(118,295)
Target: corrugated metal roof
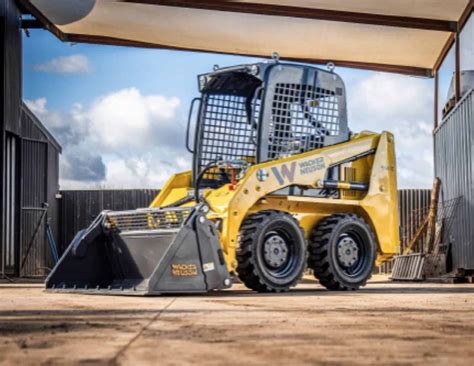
(48,135)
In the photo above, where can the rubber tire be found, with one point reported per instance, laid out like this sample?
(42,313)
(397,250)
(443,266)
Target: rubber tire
(322,252)
(251,269)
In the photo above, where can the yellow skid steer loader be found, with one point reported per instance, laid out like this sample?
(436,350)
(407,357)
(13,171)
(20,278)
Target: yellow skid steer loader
(278,182)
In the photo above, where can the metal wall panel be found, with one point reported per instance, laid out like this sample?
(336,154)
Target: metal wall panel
(34,252)
(39,185)
(454,165)
(2,127)
(8,252)
(12,66)
(79,208)
(10,96)
(32,128)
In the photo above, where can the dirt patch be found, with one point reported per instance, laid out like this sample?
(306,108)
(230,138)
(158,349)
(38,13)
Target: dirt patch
(385,323)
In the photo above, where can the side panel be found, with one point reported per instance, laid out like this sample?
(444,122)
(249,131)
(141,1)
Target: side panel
(454,165)
(166,195)
(304,169)
(381,202)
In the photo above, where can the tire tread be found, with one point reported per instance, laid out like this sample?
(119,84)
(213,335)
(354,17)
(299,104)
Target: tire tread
(319,251)
(247,263)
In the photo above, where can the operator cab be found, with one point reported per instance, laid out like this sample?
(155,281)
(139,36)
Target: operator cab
(265,111)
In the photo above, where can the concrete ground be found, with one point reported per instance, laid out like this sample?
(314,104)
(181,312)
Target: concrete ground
(385,323)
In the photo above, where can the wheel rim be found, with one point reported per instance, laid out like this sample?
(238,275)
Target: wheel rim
(279,253)
(351,253)
(275,251)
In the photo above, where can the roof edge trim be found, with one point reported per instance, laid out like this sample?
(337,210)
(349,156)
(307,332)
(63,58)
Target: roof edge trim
(308,13)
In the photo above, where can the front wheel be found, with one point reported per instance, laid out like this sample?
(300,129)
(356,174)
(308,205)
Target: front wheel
(272,252)
(342,252)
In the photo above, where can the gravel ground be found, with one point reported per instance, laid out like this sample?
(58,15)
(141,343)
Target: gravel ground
(385,323)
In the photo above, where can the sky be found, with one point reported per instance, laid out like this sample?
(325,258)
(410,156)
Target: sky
(120,113)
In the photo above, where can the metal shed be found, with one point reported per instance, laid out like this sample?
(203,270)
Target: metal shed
(30,160)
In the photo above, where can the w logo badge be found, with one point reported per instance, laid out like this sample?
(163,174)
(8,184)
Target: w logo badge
(284,172)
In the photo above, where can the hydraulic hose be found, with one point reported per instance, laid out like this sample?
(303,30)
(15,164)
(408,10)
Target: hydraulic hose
(238,164)
(197,184)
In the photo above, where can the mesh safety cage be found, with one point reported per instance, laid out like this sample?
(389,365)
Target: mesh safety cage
(304,109)
(227,132)
(285,110)
(302,118)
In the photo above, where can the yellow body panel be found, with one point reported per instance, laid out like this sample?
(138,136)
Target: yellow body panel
(378,206)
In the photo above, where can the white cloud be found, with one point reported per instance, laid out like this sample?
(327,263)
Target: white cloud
(123,140)
(404,106)
(149,171)
(73,64)
(128,119)
(37,106)
(383,99)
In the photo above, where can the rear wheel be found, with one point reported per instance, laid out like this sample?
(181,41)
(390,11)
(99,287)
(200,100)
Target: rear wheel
(342,252)
(272,252)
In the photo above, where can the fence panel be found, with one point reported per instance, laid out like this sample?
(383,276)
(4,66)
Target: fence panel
(413,205)
(79,208)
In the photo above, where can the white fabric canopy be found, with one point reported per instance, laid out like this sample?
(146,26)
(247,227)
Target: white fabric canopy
(393,35)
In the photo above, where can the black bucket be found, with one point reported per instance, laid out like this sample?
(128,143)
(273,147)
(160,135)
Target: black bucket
(146,261)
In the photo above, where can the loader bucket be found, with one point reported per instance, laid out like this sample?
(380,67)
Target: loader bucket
(143,252)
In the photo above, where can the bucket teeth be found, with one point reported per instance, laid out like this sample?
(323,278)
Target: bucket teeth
(148,219)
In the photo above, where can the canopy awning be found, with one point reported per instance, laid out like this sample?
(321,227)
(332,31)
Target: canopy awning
(406,36)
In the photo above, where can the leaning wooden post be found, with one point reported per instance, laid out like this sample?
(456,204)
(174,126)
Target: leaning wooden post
(431,230)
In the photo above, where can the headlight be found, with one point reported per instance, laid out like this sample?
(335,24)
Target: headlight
(202,82)
(254,70)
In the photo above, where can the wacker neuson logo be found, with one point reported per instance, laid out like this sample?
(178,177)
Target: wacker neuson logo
(283,172)
(310,166)
(287,171)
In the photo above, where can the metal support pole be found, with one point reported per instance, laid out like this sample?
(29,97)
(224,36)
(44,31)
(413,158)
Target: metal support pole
(457,72)
(436,96)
